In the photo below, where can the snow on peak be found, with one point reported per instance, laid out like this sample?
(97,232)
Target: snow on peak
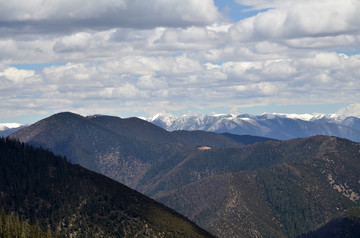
(304,117)
(268,124)
(156,116)
(10,125)
(166,118)
(214,114)
(161,115)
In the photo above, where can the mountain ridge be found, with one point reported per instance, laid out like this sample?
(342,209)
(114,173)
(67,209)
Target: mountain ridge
(283,199)
(123,149)
(275,125)
(45,189)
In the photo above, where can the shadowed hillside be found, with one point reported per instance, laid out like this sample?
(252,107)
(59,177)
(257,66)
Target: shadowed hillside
(345,225)
(44,189)
(13,226)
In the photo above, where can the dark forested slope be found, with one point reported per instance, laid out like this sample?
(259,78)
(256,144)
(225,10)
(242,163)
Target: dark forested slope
(13,226)
(44,189)
(345,225)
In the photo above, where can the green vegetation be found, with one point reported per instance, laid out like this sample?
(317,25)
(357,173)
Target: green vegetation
(190,166)
(66,199)
(353,213)
(301,197)
(229,205)
(12,226)
(291,190)
(345,225)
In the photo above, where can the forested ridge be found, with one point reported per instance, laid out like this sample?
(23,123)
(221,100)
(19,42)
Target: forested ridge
(275,189)
(13,226)
(43,189)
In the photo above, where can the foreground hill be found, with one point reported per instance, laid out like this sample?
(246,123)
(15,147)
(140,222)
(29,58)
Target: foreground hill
(277,126)
(122,149)
(13,226)
(69,200)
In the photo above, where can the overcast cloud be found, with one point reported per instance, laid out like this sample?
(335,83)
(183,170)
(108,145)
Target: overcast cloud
(137,57)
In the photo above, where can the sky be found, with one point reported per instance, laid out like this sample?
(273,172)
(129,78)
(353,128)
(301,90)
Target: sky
(143,57)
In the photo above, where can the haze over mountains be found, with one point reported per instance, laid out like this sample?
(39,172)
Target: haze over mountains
(277,126)
(9,128)
(231,185)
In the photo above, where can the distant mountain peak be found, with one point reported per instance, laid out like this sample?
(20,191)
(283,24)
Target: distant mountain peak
(9,128)
(274,125)
(10,125)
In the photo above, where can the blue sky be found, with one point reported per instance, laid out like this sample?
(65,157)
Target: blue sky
(236,11)
(204,56)
(39,66)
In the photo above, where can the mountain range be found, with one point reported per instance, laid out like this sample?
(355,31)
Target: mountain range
(274,125)
(9,128)
(231,185)
(123,149)
(277,126)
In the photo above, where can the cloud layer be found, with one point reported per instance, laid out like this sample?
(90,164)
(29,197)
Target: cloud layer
(351,110)
(143,57)
(24,17)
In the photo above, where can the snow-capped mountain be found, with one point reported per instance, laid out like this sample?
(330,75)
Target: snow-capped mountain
(9,128)
(274,125)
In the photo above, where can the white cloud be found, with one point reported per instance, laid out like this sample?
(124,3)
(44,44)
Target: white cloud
(149,65)
(127,91)
(151,82)
(76,42)
(180,82)
(151,56)
(24,17)
(19,78)
(299,19)
(350,110)
(45,10)
(327,42)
